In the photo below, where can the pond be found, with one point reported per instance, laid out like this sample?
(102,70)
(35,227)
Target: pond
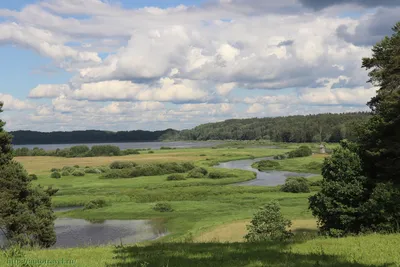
(264,178)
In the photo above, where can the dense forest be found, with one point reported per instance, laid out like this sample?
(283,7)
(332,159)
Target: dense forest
(310,128)
(90,136)
(299,129)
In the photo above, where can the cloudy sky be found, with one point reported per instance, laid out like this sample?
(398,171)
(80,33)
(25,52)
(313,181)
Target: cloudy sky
(156,64)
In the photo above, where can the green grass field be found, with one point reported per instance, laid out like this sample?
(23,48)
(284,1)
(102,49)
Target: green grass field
(205,211)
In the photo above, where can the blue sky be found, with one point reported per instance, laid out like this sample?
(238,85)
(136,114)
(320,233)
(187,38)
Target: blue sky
(97,64)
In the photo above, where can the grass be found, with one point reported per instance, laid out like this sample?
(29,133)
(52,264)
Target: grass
(205,211)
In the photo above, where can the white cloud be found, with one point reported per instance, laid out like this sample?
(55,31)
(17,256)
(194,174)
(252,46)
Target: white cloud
(11,103)
(49,91)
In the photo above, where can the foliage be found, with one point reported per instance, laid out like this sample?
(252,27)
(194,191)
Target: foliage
(122,165)
(26,216)
(219,175)
(92,170)
(269,224)
(314,165)
(151,152)
(68,168)
(266,165)
(176,177)
(130,152)
(163,207)
(55,170)
(78,173)
(296,185)
(302,151)
(96,204)
(55,175)
(280,157)
(65,173)
(198,172)
(33,177)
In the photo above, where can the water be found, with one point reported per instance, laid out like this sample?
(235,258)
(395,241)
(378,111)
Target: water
(78,233)
(132,145)
(267,178)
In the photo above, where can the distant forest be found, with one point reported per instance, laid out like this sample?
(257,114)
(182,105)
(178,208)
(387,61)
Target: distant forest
(299,129)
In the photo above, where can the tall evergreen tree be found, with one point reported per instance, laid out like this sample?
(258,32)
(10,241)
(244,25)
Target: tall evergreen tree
(26,216)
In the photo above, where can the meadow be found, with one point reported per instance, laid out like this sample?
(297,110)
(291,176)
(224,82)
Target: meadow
(210,216)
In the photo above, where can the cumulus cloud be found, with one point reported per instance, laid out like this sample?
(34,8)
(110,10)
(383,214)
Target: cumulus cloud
(319,4)
(49,91)
(12,103)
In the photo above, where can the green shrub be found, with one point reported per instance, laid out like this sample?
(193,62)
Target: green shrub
(314,166)
(122,165)
(78,151)
(130,152)
(55,170)
(302,151)
(176,177)
(78,173)
(104,169)
(151,152)
(92,170)
(219,175)
(203,155)
(114,174)
(95,204)
(65,173)
(33,177)
(268,223)
(315,183)
(198,172)
(55,175)
(76,166)
(163,207)
(105,150)
(165,148)
(266,165)
(296,185)
(68,169)
(280,157)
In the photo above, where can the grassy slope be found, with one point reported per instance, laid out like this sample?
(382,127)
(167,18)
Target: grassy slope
(201,206)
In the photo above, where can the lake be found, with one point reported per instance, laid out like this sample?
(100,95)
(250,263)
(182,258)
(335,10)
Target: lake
(131,145)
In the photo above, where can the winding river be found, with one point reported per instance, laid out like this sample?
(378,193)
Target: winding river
(78,232)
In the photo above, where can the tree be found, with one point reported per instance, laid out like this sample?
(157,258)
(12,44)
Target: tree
(269,224)
(26,216)
(380,140)
(339,206)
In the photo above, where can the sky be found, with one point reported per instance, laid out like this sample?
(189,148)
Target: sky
(126,65)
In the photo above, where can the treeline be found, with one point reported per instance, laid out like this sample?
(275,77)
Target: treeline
(311,128)
(89,136)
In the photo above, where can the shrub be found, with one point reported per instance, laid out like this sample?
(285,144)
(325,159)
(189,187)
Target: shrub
(114,174)
(65,173)
(315,183)
(130,152)
(78,173)
(314,166)
(203,155)
(280,157)
(165,148)
(92,170)
(151,152)
(296,185)
(68,169)
(266,165)
(95,204)
(55,170)
(78,151)
(33,177)
(219,175)
(104,169)
(76,166)
(105,150)
(268,223)
(302,151)
(163,207)
(55,175)
(122,165)
(176,177)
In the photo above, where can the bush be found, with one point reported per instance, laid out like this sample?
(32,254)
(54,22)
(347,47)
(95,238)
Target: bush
(165,148)
(78,151)
(130,152)
(219,175)
(302,151)
(198,172)
(55,170)
(95,204)
(268,223)
(314,166)
(163,207)
(55,175)
(33,177)
(114,174)
(104,169)
(315,183)
(203,155)
(76,166)
(280,157)
(266,165)
(176,177)
(65,173)
(105,150)
(151,152)
(78,173)
(296,185)
(122,165)
(92,170)
(68,169)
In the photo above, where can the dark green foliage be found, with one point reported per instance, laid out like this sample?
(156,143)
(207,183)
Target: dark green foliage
(296,185)
(78,173)
(55,175)
(65,173)
(55,170)
(315,183)
(219,175)
(122,165)
(302,151)
(130,152)
(299,129)
(166,148)
(78,151)
(33,177)
(266,165)
(105,150)
(92,170)
(26,216)
(68,168)
(151,152)
(163,207)
(203,155)
(76,166)
(280,157)
(339,205)
(269,224)
(176,177)
(95,204)
(116,173)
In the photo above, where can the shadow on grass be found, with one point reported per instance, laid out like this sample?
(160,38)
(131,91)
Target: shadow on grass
(223,254)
